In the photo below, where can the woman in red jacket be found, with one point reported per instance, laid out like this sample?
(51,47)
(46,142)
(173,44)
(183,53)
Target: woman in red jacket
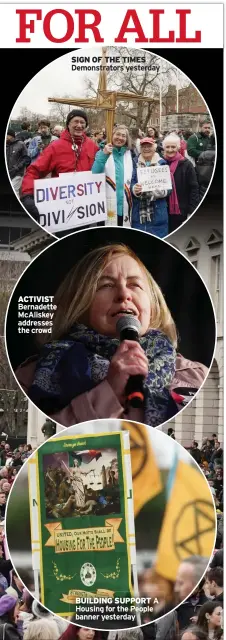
(73,151)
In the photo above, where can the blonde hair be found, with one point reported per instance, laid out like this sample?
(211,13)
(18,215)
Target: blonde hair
(42,628)
(76,293)
(128,138)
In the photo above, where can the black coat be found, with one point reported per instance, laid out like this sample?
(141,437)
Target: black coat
(187,610)
(218,559)
(196,454)
(10,632)
(187,187)
(24,135)
(5,568)
(17,158)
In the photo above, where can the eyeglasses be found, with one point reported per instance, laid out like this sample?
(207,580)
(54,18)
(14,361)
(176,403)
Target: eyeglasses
(81,122)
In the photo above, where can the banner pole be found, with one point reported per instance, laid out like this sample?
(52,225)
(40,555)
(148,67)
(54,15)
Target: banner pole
(36,583)
(136,590)
(131,522)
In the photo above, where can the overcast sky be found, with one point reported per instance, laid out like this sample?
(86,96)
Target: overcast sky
(58,79)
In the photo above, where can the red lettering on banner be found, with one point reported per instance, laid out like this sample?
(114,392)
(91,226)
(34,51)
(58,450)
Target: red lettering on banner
(53,193)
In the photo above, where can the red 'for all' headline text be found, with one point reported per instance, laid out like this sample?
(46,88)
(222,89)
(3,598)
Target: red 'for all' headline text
(83,21)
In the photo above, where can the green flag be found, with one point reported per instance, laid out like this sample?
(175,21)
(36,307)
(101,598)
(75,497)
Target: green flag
(84,498)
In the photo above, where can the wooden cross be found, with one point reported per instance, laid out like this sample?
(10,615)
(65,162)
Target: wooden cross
(106,99)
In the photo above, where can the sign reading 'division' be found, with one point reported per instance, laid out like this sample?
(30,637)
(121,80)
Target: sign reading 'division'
(71,200)
(154,178)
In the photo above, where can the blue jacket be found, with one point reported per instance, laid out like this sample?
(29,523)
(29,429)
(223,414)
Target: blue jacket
(159,224)
(99,167)
(33,148)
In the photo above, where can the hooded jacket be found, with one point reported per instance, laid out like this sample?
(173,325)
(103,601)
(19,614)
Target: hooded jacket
(59,157)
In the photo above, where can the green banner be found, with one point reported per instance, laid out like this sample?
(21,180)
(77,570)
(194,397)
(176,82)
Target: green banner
(83,520)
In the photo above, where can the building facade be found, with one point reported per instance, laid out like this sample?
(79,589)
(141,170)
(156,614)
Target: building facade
(201,241)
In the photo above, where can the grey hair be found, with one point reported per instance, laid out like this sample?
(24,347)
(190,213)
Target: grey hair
(172,137)
(199,564)
(128,139)
(42,628)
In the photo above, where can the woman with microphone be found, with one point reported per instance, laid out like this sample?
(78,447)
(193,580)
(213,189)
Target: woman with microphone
(86,371)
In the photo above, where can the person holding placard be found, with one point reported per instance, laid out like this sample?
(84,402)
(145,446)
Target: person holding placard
(184,198)
(149,212)
(73,151)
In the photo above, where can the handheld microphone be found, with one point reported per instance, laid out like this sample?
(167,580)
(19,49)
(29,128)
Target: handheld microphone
(128,328)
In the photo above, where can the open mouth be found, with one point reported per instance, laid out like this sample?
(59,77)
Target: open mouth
(126,312)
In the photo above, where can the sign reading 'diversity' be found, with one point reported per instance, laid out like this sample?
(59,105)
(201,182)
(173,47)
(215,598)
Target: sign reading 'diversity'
(83,496)
(156,177)
(71,200)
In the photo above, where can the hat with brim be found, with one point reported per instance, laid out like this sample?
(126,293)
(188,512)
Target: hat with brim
(147,141)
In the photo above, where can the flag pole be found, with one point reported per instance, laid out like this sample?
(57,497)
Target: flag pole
(131,523)
(160,99)
(35,539)
(177,90)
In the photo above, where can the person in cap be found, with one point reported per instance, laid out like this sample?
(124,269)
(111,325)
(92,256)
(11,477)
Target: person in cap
(73,151)
(17,159)
(9,608)
(116,161)
(149,212)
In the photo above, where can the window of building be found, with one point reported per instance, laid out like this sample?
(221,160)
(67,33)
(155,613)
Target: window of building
(15,233)
(4,236)
(216,283)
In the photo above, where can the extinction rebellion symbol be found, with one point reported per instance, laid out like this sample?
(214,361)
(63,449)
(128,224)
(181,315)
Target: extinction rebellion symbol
(197,517)
(138,445)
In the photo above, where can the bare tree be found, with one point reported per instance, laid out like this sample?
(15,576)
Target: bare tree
(154,75)
(13,404)
(59,112)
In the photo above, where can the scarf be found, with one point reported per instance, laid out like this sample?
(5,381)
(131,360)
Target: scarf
(77,363)
(112,219)
(146,208)
(173,200)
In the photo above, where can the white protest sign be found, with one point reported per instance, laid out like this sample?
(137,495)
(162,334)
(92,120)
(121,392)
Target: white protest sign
(156,177)
(71,200)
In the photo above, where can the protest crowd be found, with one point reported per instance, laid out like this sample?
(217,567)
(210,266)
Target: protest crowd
(48,153)
(198,617)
